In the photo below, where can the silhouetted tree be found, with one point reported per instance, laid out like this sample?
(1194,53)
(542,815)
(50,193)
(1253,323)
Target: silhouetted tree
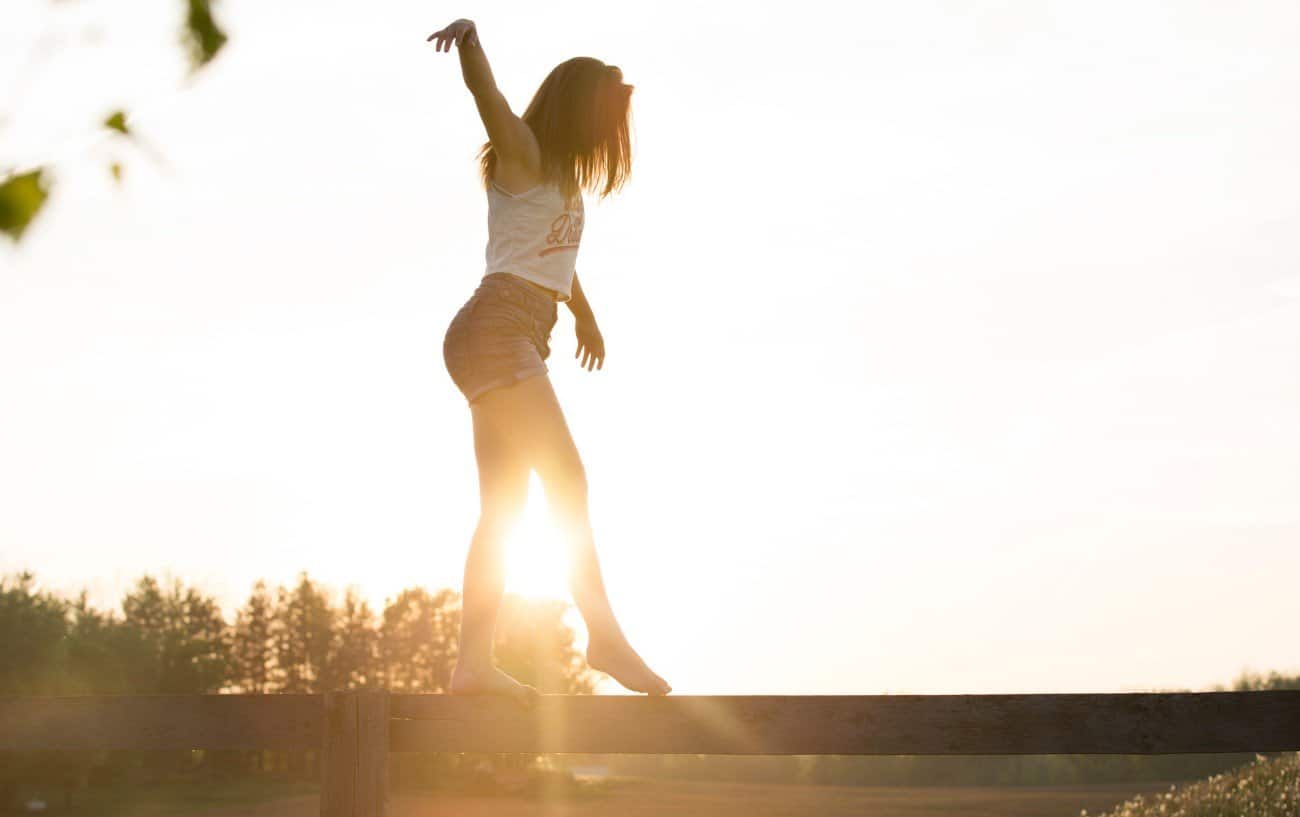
(1253,681)
(32,626)
(188,646)
(252,648)
(302,634)
(102,651)
(417,640)
(356,649)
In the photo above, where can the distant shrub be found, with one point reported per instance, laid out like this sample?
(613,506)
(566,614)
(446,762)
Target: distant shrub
(1264,788)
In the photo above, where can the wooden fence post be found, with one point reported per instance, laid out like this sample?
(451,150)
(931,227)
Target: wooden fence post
(354,771)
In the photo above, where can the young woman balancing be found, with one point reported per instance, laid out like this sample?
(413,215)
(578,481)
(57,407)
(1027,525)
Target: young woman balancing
(573,136)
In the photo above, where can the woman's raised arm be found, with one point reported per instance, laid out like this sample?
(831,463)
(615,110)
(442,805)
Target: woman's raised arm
(510,136)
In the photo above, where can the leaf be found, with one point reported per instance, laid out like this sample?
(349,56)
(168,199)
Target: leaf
(202,35)
(21,198)
(117,121)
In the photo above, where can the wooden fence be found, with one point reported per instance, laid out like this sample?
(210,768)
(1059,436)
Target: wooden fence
(355,731)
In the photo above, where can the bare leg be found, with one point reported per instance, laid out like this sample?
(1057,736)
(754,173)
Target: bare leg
(552,452)
(503,489)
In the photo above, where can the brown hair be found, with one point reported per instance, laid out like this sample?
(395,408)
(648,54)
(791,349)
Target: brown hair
(581,117)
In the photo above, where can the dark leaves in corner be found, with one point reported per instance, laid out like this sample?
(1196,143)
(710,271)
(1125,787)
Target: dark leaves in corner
(21,198)
(202,35)
(117,121)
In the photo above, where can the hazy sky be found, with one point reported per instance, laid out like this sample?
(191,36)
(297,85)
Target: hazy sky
(952,347)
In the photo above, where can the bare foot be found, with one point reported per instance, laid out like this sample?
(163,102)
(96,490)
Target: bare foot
(492,681)
(619,661)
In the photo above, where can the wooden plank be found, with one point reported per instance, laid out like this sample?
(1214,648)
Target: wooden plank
(1137,723)
(1124,723)
(161,722)
(372,761)
(339,750)
(354,776)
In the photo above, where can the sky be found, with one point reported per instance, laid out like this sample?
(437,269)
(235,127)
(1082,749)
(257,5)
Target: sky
(951,347)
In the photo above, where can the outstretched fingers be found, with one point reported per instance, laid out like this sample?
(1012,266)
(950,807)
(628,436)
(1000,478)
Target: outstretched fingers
(458,34)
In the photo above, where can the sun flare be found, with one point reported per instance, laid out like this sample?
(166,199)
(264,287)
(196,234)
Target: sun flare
(538,560)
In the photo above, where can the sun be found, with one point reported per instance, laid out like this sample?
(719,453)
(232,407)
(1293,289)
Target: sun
(537,561)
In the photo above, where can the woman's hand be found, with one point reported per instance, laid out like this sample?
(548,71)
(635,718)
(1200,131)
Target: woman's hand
(590,344)
(459,32)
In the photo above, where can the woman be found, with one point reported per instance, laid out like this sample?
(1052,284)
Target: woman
(573,136)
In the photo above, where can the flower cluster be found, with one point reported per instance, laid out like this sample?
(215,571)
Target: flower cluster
(1267,787)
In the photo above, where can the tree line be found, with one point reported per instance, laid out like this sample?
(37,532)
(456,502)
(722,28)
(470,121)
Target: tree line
(170,637)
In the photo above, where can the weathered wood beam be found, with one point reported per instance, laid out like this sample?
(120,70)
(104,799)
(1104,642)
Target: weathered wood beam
(354,776)
(162,722)
(1123,723)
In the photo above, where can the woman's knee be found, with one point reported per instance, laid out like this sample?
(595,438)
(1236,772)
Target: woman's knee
(503,481)
(496,520)
(566,498)
(564,476)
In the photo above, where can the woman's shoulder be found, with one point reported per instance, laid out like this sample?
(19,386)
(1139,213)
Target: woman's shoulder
(517,179)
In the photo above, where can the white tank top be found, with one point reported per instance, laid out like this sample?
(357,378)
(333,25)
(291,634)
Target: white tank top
(534,235)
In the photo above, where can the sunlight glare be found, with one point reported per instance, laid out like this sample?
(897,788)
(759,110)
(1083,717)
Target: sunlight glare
(538,562)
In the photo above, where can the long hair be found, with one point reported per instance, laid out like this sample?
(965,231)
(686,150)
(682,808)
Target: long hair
(581,117)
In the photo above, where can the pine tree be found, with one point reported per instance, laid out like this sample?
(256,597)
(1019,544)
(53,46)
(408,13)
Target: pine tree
(302,635)
(252,649)
(185,637)
(356,649)
(418,640)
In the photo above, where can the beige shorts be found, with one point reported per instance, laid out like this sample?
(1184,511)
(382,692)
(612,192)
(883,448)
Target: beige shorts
(500,336)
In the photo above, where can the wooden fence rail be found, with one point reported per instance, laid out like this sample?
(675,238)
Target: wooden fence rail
(355,731)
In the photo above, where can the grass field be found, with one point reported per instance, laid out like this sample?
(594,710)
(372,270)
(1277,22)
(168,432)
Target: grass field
(634,798)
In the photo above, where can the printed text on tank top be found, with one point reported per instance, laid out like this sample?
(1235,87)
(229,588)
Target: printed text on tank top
(565,234)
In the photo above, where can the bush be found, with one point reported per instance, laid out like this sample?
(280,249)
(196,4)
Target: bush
(1264,788)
